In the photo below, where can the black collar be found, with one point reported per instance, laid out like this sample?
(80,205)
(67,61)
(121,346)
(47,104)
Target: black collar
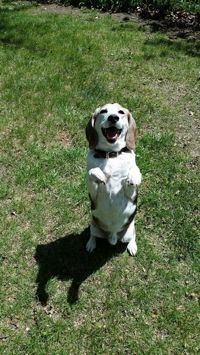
(102,154)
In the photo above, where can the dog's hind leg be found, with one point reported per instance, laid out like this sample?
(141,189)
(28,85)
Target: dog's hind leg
(132,247)
(95,232)
(91,244)
(129,237)
(113,238)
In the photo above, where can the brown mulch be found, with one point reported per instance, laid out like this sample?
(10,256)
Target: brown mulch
(180,24)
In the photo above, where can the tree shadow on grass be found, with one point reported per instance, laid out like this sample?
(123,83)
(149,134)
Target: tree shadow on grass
(190,47)
(66,259)
(11,34)
(19,32)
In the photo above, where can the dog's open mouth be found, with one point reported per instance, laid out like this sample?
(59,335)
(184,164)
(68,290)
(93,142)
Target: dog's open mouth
(111,133)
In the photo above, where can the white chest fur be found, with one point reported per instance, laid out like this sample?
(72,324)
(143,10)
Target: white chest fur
(113,191)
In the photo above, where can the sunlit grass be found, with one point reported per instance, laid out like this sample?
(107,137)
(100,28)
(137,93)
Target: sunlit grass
(55,70)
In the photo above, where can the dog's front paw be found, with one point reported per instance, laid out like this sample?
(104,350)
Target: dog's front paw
(97,175)
(91,244)
(135,177)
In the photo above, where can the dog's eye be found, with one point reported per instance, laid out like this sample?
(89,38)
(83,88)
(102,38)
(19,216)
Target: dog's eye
(121,112)
(104,111)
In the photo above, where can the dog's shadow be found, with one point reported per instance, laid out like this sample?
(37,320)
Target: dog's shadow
(66,259)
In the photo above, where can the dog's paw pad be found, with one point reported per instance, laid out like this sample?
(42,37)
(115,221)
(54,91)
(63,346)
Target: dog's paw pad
(91,245)
(132,248)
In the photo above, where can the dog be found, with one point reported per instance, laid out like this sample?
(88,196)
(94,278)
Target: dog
(112,176)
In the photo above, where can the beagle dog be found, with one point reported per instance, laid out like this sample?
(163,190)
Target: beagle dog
(112,176)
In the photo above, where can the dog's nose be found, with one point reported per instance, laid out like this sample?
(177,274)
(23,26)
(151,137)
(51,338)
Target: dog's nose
(113,118)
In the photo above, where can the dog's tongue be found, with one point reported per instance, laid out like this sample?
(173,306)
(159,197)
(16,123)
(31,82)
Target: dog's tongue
(112,133)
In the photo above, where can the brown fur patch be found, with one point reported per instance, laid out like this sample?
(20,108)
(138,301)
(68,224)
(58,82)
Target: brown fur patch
(91,133)
(131,134)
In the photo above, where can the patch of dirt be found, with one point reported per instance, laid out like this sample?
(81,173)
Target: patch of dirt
(56,9)
(64,139)
(176,25)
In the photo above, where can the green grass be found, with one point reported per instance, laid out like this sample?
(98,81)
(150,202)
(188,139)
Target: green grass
(55,298)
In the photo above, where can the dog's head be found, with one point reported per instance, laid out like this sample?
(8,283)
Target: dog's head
(111,128)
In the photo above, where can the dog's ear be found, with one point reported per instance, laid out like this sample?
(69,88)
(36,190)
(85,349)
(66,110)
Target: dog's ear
(131,133)
(91,133)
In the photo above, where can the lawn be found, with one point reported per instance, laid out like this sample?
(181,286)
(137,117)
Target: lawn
(56,68)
